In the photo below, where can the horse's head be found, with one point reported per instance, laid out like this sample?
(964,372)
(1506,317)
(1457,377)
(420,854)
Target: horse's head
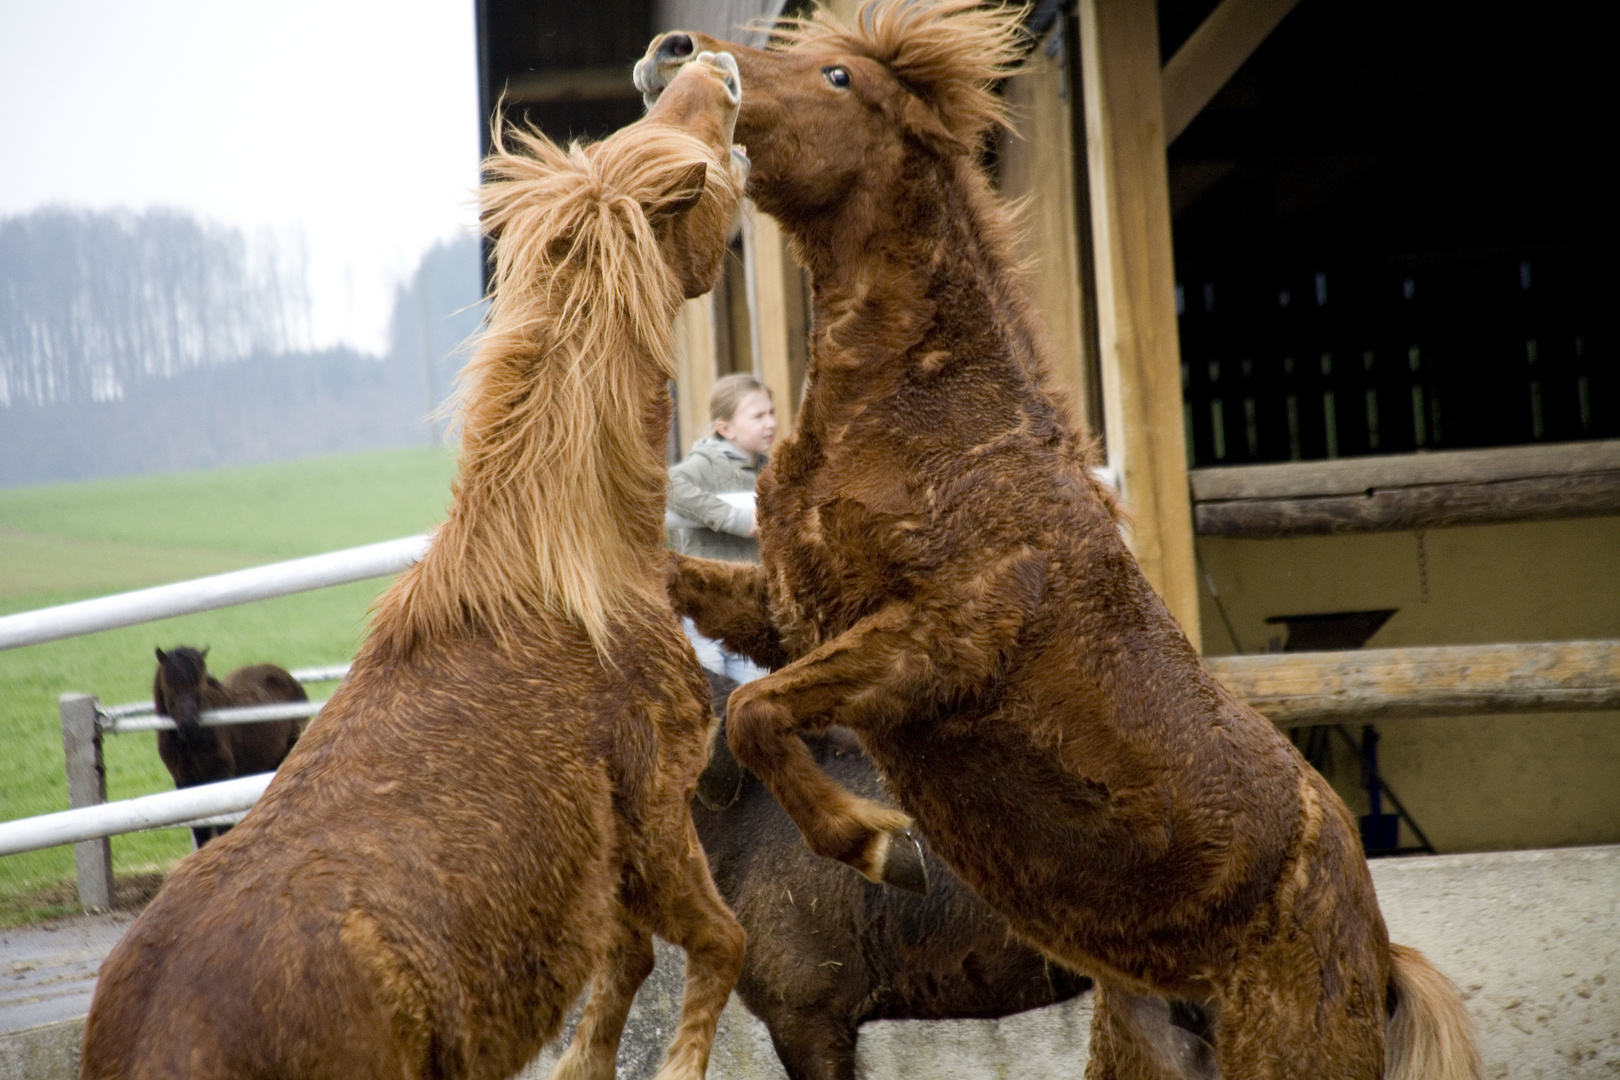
(178,688)
(567,217)
(839,107)
(702,100)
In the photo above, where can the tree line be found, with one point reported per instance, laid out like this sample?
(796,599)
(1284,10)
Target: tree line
(94,302)
(133,343)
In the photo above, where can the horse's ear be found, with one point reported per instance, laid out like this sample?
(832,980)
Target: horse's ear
(160,655)
(924,123)
(682,193)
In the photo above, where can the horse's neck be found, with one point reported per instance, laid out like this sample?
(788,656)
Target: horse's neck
(873,295)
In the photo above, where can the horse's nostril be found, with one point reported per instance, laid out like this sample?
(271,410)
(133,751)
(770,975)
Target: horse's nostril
(679,45)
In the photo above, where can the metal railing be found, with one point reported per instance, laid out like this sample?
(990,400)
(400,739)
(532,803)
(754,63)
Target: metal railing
(92,820)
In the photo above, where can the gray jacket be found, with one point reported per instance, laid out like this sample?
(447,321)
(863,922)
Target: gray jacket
(714,465)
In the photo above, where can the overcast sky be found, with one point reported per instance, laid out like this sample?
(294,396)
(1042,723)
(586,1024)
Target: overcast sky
(347,127)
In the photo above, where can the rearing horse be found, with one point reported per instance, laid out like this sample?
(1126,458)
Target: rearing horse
(942,574)
(493,807)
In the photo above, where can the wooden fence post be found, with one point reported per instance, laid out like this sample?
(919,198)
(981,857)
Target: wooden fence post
(1136,304)
(87,786)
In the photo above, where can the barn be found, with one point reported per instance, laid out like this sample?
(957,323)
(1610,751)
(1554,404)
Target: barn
(1326,280)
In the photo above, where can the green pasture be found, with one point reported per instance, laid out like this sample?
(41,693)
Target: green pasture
(72,541)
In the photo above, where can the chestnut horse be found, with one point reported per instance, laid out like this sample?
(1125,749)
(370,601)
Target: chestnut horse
(182,688)
(493,807)
(942,574)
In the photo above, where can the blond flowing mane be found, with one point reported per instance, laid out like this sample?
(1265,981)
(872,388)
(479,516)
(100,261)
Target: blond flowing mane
(558,504)
(949,53)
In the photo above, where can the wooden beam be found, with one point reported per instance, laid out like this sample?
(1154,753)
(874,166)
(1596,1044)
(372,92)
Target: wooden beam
(1213,55)
(1037,163)
(1429,506)
(777,315)
(1356,476)
(1139,351)
(1411,491)
(1370,685)
(580,84)
(694,370)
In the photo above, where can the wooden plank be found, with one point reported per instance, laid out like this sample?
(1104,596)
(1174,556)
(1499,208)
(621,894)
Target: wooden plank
(1139,352)
(1369,685)
(1356,476)
(1213,54)
(1543,498)
(694,370)
(594,84)
(776,309)
(1037,163)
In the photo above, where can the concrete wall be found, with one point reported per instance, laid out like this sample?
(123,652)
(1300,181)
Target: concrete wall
(1479,783)
(1531,938)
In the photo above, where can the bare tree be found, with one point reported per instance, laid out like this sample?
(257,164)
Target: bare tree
(92,302)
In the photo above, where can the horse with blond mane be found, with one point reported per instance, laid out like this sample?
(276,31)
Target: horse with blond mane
(943,574)
(493,807)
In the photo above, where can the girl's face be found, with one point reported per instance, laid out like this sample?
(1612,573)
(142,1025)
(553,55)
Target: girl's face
(752,428)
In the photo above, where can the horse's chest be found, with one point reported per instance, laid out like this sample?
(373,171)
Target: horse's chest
(832,561)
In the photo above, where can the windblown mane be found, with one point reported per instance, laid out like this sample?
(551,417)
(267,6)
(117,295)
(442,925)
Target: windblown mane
(948,53)
(558,505)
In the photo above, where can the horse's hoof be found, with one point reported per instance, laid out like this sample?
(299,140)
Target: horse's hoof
(721,781)
(903,865)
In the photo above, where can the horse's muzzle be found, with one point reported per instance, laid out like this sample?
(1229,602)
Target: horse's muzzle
(664,59)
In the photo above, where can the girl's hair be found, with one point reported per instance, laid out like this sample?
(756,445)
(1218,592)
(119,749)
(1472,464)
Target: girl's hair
(728,393)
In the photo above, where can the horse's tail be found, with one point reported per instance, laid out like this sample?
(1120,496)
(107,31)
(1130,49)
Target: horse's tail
(1430,1034)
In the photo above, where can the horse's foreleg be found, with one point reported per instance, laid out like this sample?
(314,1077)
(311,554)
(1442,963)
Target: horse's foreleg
(682,905)
(624,967)
(905,659)
(728,601)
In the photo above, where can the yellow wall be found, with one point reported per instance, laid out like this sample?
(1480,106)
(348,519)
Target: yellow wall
(1478,783)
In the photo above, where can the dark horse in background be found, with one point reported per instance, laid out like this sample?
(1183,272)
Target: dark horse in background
(829,950)
(183,689)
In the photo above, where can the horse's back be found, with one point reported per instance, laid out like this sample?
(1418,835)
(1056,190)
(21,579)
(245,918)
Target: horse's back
(415,849)
(261,747)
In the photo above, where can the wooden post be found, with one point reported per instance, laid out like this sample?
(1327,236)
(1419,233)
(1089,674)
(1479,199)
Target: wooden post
(776,308)
(1213,54)
(694,370)
(87,786)
(1038,163)
(1136,313)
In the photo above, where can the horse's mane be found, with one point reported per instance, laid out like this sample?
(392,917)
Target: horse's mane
(950,52)
(558,504)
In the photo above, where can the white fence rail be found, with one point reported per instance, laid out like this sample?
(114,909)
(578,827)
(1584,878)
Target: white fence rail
(209,593)
(188,806)
(92,819)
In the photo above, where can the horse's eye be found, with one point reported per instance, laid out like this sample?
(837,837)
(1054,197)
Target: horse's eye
(837,77)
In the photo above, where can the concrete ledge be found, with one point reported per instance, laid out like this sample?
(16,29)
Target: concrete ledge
(1531,938)
(46,1052)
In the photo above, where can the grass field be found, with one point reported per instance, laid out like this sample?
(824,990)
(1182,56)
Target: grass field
(73,541)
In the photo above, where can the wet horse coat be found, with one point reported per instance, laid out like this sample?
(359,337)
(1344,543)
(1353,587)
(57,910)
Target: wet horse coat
(493,807)
(943,575)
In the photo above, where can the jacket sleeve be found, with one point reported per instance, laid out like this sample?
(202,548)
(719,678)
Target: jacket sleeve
(690,500)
